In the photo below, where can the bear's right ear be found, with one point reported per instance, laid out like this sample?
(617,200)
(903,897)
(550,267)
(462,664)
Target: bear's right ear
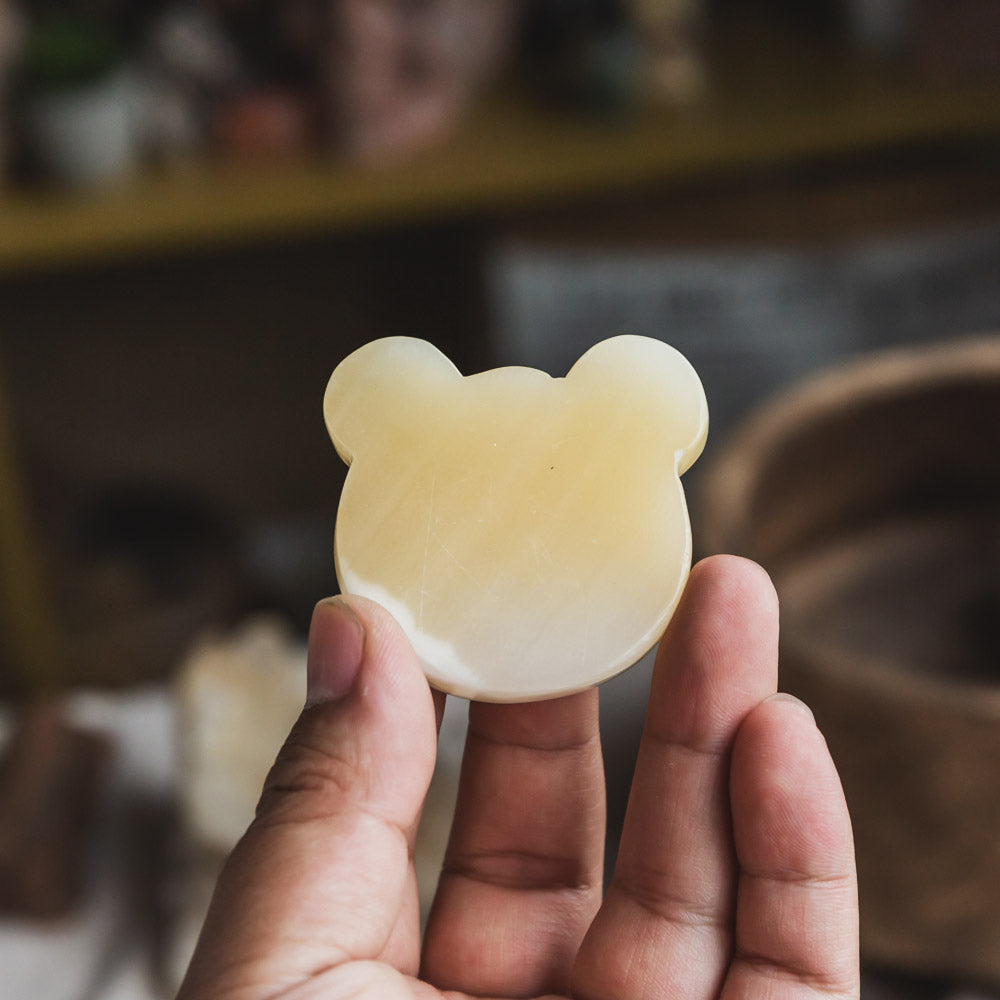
(380,389)
(647,368)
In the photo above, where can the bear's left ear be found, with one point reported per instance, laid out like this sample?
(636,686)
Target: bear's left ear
(630,367)
(380,389)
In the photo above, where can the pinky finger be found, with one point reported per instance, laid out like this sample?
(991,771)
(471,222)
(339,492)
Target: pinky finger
(797,902)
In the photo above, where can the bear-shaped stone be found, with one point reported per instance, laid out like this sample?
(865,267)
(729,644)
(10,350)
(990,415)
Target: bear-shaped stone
(529,533)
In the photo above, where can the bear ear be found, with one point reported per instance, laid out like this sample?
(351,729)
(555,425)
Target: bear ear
(643,367)
(380,389)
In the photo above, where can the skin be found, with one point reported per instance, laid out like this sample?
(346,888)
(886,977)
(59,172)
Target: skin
(735,875)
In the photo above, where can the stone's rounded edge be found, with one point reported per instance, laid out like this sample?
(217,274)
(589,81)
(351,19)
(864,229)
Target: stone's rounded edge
(686,456)
(506,697)
(446,673)
(342,584)
(499,695)
(521,696)
(437,656)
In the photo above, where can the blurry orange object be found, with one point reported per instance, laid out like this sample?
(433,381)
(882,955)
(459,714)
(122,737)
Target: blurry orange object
(263,123)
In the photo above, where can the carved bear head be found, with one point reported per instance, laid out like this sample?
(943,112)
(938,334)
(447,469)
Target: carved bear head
(529,533)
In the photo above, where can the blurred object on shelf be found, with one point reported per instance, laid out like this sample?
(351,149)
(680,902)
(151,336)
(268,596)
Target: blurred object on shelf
(872,495)
(374,80)
(271,108)
(78,102)
(956,39)
(673,68)
(51,775)
(136,574)
(400,75)
(11,47)
(238,694)
(581,55)
(186,62)
(279,42)
(262,123)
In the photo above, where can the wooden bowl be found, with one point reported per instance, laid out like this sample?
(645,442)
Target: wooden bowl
(872,495)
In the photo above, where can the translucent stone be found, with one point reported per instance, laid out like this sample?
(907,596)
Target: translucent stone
(529,533)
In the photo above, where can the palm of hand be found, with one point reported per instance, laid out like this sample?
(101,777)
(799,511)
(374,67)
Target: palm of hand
(734,878)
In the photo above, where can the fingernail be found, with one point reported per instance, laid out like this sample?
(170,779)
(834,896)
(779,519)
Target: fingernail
(336,648)
(792,700)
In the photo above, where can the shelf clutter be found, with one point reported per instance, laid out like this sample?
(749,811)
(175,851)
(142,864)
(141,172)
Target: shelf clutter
(546,110)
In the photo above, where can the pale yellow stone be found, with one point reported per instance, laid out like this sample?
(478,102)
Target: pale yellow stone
(529,533)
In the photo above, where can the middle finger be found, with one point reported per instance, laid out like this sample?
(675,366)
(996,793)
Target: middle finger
(523,870)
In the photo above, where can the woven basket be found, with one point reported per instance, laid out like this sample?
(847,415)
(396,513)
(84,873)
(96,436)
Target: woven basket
(872,495)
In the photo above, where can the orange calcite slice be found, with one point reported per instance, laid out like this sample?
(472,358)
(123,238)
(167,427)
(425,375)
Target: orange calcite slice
(529,533)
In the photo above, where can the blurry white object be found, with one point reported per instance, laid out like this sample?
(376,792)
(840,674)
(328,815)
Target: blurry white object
(187,61)
(85,136)
(186,42)
(238,697)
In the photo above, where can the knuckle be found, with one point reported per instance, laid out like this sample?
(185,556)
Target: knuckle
(308,780)
(665,897)
(520,870)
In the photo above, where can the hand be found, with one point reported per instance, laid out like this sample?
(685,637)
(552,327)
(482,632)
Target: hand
(735,875)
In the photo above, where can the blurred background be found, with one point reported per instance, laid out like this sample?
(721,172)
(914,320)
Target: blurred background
(204,206)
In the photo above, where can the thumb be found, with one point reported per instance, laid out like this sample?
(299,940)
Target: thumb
(324,874)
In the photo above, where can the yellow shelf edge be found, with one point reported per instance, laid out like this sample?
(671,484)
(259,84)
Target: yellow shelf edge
(501,158)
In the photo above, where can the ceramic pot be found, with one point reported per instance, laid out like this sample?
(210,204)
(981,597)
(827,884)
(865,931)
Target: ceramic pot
(84,136)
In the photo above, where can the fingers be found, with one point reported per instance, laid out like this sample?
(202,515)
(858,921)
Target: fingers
(797,914)
(523,870)
(323,875)
(666,926)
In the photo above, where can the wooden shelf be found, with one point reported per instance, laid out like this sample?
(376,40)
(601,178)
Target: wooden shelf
(507,155)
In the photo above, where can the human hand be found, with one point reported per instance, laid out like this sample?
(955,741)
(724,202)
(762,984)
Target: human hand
(735,874)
